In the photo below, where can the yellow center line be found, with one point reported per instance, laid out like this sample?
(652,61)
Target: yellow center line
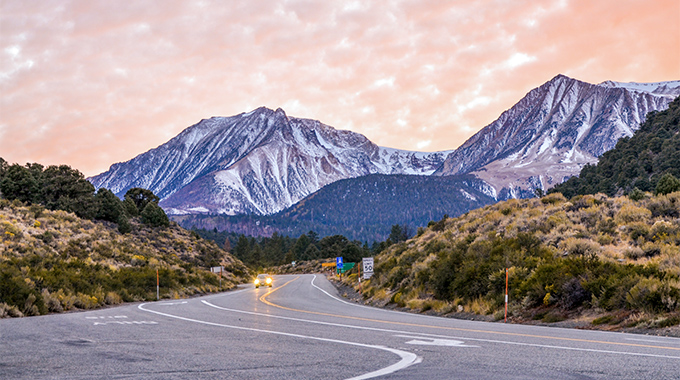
(263,299)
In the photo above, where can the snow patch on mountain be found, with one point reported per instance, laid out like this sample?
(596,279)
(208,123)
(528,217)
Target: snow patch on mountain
(554,131)
(668,89)
(264,161)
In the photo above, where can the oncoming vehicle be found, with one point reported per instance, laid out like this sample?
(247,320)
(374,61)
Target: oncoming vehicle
(264,280)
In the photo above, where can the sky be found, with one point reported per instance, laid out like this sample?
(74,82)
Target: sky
(95,82)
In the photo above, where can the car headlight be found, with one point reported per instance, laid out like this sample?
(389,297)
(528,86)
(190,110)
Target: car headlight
(269,280)
(257,281)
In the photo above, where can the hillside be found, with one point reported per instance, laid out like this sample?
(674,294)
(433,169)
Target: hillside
(361,208)
(636,162)
(604,261)
(54,261)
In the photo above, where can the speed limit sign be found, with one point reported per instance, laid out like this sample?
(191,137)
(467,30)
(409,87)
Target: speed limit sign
(367,266)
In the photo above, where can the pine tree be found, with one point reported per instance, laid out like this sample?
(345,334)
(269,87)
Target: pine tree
(667,184)
(154,216)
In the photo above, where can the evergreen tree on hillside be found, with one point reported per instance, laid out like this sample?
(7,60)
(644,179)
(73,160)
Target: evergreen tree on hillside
(18,182)
(154,216)
(64,188)
(668,184)
(141,197)
(110,206)
(636,162)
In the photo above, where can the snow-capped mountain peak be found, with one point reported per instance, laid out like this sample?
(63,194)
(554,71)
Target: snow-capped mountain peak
(264,161)
(555,130)
(668,88)
(257,162)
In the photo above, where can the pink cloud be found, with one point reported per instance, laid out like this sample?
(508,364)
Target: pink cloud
(90,83)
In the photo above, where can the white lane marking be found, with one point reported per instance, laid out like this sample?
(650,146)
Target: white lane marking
(127,323)
(654,341)
(434,341)
(407,358)
(108,317)
(172,303)
(444,336)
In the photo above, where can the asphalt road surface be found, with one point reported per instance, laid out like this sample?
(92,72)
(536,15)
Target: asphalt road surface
(302,329)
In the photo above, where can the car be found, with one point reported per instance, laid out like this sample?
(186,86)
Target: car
(264,280)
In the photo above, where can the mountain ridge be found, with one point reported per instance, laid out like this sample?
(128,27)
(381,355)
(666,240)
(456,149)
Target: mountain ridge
(264,161)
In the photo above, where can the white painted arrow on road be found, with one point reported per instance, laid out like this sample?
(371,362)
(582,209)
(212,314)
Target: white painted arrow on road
(434,341)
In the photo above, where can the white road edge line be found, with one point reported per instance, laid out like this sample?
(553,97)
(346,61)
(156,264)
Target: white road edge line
(440,318)
(407,358)
(445,336)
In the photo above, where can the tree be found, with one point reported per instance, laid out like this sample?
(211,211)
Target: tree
(399,233)
(154,216)
(124,225)
(3,167)
(64,188)
(298,249)
(311,253)
(130,207)
(667,184)
(141,197)
(242,248)
(19,183)
(110,207)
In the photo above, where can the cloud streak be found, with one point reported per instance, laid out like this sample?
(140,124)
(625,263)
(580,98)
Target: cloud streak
(91,83)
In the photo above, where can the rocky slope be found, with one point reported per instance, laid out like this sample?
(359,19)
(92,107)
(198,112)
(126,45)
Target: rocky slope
(264,161)
(256,163)
(555,130)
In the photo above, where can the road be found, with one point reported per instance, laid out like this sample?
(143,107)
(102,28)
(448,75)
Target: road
(302,329)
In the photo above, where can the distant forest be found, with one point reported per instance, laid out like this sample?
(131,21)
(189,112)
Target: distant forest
(262,252)
(361,208)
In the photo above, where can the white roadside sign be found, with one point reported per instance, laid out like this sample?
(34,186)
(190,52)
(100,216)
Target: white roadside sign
(367,267)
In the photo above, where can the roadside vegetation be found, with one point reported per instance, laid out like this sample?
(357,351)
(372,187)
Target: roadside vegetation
(617,257)
(602,247)
(63,247)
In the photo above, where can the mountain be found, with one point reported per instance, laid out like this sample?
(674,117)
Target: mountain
(362,208)
(256,163)
(263,161)
(638,162)
(556,129)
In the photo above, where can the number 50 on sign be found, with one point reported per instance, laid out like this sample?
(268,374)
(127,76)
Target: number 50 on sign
(367,266)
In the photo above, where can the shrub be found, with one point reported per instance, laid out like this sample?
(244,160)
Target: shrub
(654,295)
(573,294)
(553,198)
(665,205)
(638,230)
(580,247)
(9,311)
(124,225)
(112,298)
(636,194)
(52,302)
(630,213)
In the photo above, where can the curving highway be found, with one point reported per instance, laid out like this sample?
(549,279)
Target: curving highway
(301,329)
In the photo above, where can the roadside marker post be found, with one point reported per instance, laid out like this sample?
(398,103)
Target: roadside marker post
(506,295)
(158,286)
(219,270)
